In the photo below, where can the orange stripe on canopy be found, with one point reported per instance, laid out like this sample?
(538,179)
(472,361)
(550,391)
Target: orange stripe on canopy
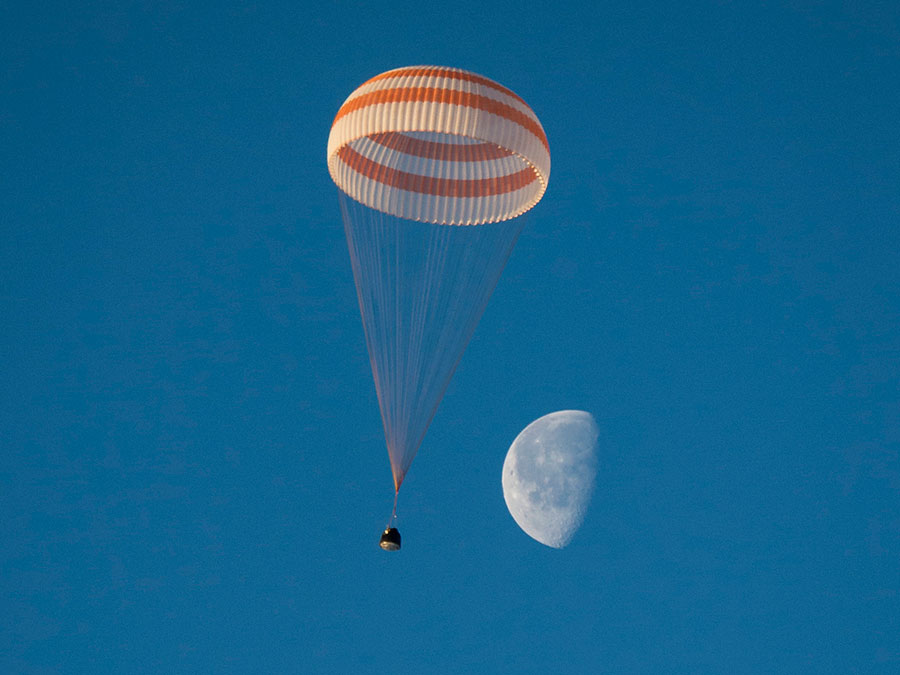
(438,187)
(448,96)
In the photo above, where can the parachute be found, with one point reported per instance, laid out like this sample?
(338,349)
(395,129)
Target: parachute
(434,167)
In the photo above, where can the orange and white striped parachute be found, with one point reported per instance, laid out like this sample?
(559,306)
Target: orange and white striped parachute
(439,145)
(416,151)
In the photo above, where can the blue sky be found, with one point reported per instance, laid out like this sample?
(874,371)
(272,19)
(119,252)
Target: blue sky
(193,476)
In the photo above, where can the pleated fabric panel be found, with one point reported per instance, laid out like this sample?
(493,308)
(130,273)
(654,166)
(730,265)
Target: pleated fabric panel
(439,145)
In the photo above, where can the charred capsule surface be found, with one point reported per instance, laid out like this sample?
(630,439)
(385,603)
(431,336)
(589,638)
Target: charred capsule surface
(390,539)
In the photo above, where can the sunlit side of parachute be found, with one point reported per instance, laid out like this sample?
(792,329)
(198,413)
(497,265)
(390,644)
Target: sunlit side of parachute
(434,167)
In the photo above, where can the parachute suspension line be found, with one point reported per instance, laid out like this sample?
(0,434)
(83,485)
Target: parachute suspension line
(463,296)
(393,521)
(422,289)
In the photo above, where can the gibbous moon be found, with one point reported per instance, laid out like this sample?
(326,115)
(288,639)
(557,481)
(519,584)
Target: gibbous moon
(549,473)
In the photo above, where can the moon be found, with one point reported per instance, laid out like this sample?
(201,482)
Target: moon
(549,474)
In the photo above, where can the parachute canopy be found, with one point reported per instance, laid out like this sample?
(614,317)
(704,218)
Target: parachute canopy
(439,145)
(418,152)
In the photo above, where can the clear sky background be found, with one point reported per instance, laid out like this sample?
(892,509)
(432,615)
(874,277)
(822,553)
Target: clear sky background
(192,469)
